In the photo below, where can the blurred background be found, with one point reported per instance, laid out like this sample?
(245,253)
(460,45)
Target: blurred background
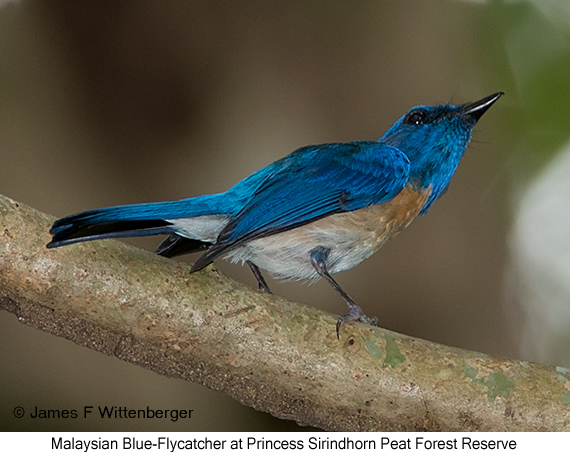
(114,102)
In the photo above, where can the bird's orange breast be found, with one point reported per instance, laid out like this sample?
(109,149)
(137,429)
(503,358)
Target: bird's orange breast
(378,223)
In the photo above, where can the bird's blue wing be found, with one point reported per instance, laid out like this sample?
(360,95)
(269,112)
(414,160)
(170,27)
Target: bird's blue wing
(311,183)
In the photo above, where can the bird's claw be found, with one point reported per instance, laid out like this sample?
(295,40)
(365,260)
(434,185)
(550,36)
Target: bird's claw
(355,314)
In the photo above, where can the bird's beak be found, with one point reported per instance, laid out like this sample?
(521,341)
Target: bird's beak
(476,109)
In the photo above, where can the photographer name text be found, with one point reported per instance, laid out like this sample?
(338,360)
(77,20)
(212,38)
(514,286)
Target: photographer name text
(107,412)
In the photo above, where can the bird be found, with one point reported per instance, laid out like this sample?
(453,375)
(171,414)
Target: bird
(320,210)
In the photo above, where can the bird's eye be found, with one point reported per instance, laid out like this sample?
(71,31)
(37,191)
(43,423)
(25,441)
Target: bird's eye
(417,117)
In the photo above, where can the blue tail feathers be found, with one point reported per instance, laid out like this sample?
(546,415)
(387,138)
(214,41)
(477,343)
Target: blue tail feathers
(130,220)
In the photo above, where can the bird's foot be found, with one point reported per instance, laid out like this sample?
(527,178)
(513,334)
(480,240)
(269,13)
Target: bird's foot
(263,287)
(355,314)
(261,283)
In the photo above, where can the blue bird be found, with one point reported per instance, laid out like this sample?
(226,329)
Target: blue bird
(320,210)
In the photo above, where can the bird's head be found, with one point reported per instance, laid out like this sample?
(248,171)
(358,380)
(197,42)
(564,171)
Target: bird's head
(434,139)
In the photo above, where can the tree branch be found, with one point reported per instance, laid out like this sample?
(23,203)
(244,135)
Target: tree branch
(266,352)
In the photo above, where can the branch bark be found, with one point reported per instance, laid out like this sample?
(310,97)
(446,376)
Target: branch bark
(266,352)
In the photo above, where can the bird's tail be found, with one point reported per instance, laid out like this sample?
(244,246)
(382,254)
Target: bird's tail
(133,220)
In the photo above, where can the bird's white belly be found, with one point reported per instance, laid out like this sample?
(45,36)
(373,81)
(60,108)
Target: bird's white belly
(287,255)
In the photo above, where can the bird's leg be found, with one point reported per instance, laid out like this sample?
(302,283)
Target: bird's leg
(355,314)
(260,279)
